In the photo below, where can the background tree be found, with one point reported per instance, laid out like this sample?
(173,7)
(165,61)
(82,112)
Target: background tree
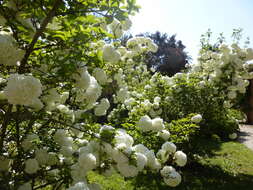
(170,58)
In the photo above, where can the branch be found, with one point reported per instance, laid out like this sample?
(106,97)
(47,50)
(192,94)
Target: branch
(4,126)
(38,33)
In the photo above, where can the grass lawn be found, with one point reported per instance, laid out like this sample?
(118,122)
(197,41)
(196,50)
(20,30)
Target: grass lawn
(218,166)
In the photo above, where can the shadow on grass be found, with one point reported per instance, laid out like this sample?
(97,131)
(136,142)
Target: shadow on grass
(199,176)
(205,177)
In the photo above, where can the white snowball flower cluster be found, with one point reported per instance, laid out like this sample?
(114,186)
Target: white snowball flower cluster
(196,118)
(102,107)
(23,90)
(25,186)
(226,68)
(121,95)
(54,100)
(110,54)
(180,158)
(164,134)
(141,44)
(147,124)
(170,176)
(93,92)
(83,78)
(27,143)
(232,136)
(100,76)
(118,28)
(10,54)
(167,150)
(79,186)
(45,158)
(4,163)
(66,142)
(124,149)
(31,166)
(88,160)
(88,87)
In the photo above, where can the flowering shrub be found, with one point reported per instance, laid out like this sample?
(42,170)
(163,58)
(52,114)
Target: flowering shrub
(73,100)
(60,85)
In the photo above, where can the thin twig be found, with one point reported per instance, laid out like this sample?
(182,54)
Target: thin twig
(4,126)
(38,33)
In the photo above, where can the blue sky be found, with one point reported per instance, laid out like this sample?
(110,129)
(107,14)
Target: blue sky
(191,18)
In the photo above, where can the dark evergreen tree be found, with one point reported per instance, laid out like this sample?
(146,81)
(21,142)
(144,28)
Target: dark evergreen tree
(170,57)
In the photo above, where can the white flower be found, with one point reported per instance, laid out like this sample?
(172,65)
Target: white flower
(102,107)
(4,163)
(162,155)
(59,135)
(52,158)
(164,134)
(62,108)
(22,90)
(126,24)
(93,91)
(141,160)
(167,170)
(31,166)
(232,95)
(119,157)
(110,54)
(83,78)
(140,148)
(25,186)
(100,75)
(197,118)
(153,162)
(127,170)
(10,54)
(87,161)
(116,28)
(180,158)
(27,143)
(157,124)
(122,137)
(66,151)
(173,179)
(122,94)
(129,101)
(157,99)
(41,156)
(145,123)
(232,136)
(146,104)
(169,146)
(79,186)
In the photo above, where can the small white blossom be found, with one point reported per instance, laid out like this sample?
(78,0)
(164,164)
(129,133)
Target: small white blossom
(180,158)
(110,54)
(31,166)
(23,90)
(232,136)
(197,118)
(25,186)
(173,180)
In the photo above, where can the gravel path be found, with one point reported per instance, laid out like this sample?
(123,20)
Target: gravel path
(246,135)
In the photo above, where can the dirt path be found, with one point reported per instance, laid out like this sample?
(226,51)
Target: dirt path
(245,135)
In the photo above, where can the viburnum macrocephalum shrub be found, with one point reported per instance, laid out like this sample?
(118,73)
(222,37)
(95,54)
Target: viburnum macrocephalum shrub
(60,82)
